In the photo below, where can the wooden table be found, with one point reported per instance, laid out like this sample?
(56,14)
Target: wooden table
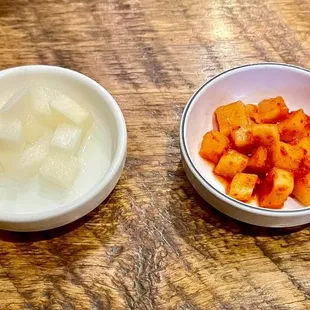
(154,244)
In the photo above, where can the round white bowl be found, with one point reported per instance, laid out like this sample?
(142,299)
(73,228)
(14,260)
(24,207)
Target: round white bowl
(251,84)
(104,108)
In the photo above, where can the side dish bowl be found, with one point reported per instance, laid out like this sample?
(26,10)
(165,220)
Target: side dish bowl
(251,84)
(105,110)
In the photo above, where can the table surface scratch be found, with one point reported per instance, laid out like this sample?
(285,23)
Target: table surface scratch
(154,243)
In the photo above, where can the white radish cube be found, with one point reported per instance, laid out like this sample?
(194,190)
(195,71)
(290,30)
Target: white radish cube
(67,138)
(39,98)
(70,111)
(60,169)
(8,159)
(31,160)
(11,133)
(17,105)
(34,130)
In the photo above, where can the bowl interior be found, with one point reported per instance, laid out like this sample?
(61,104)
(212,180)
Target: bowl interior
(90,95)
(75,85)
(250,84)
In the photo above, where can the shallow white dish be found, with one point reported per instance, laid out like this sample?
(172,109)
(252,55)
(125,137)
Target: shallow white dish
(105,110)
(251,84)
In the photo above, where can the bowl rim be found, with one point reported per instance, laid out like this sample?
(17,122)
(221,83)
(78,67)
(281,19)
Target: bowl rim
(117,160)
(184,149)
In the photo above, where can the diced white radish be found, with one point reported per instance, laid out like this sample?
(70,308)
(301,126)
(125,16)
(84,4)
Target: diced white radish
(8,160)
(17,105)
(11,133)
(31,160)
(70,111)
(34,130)
(39,98)
(67,138)
(60,169)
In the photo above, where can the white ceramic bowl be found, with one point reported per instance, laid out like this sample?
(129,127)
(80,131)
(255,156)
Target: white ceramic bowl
(105,109)
(249,83)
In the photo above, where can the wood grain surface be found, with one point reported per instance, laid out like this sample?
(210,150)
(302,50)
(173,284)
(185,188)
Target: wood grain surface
(154,244)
